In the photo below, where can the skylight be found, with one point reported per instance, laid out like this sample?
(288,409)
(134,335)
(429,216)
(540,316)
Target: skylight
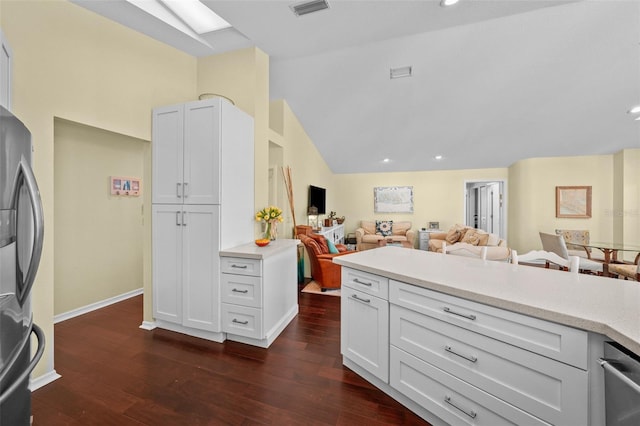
(196,15)
(189,16)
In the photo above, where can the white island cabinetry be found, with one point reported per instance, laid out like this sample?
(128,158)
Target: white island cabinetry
(488,343)
(365,321)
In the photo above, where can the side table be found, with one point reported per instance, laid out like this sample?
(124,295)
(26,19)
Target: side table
(423,238)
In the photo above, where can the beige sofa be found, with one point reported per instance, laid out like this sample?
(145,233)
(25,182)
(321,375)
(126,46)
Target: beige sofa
(371,232)
(473,240)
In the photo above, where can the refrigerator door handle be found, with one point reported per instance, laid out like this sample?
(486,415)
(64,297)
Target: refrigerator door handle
(25,174)
(34,361)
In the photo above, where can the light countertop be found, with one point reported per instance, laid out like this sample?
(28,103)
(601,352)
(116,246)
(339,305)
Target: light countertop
(601,305)
(252,251)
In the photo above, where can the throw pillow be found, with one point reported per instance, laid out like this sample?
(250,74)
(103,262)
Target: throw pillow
(452,236)
(332,247)
(472,236)
(384,227)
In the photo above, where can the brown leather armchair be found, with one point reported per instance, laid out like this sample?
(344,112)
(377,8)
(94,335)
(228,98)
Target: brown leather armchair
(323,271)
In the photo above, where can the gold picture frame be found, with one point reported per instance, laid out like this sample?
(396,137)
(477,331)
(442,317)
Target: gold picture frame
(573,201)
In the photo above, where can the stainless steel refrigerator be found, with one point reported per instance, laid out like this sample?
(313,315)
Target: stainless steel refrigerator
(21,234)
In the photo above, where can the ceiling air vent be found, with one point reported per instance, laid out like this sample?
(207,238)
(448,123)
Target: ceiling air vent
(309,7)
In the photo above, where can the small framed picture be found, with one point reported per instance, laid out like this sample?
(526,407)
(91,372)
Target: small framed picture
(434,225)
(127,186)
(573,201)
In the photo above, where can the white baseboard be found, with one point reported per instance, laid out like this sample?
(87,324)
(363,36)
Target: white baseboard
(45,379)
(148,325)
(95,306)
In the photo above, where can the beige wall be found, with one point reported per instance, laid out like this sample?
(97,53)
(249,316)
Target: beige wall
(532,184)
(626,204)
(307,165)
(99,237)
(438,196)
(70,63)
(243,76)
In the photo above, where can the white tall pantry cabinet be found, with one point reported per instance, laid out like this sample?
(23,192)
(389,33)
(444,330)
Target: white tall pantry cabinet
(202,194)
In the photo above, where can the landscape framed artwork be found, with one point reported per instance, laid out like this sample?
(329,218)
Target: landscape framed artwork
(573,201)
(393,199)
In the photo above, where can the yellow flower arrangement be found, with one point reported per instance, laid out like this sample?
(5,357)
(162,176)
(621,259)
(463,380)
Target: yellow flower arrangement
(271,215)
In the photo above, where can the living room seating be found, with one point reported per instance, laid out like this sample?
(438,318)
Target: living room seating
(371,232)
(625,270)
(323,271)
(579,236)
(465,250)
(555,243)
(472,240)
(546,257)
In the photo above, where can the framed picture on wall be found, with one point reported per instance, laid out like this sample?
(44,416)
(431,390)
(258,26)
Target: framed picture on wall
(127,186)
(393,199)
(573,201)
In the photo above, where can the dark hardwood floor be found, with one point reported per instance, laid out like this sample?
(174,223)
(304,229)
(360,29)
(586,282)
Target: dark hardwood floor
(114,373)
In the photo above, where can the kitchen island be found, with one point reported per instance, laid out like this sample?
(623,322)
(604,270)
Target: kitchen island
(498,343)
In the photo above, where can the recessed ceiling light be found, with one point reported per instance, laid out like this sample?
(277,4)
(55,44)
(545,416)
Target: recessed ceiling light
(438,157)
(634,110)
(308,7)
(400,72)
(445,3)
(386,160)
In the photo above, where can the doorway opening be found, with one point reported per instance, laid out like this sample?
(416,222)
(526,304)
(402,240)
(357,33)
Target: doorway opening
(485,206)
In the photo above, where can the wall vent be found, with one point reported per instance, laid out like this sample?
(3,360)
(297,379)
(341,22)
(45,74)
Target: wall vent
(309,7)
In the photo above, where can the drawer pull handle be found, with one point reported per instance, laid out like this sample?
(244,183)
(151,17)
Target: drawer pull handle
(235,290)
(355,296)
(240,322)
(233,265)
(469,413)
(356,280)
(467,357)
(179,189)
(468,316)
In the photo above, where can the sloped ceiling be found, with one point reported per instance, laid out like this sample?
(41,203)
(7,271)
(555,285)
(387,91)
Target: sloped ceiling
(493,81)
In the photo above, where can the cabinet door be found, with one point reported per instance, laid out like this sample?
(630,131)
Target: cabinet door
(167,149)
(167,262)
(365,331)
(202,152)
(201,268)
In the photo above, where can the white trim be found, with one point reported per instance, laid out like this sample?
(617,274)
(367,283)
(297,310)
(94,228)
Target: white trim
(95,306)
(45,379)
(148,325)
(504,209)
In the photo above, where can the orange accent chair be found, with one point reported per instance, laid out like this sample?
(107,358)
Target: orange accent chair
(323,271)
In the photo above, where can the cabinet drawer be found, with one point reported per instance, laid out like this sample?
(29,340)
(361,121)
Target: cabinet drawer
(451,399)
(546,388)
(241,266)
(368,283)
(242,321)
(242,290)
(552,340)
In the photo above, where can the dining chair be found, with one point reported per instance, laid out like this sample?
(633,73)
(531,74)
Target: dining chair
(555,243)
(579,236)
(546,257)
(479,252)
(626,270)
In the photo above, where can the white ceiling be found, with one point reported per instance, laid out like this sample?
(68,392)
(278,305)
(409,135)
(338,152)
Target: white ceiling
(494,81)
